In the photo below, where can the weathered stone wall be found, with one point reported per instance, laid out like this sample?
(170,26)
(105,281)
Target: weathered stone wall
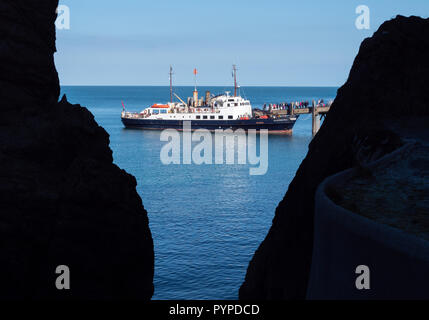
(385,98)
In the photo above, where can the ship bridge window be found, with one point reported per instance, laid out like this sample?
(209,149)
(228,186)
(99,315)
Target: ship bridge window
(231,100)
(198,117)
(230,117)
(212,117)
(205,117)
(220,117)
(236,104)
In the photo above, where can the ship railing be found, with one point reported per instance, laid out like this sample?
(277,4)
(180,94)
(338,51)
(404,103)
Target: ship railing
(197,111)
(134,115)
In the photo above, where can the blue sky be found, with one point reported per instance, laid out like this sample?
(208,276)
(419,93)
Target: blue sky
(273,42)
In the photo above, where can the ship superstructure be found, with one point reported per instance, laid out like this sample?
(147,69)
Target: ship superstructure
(210,112)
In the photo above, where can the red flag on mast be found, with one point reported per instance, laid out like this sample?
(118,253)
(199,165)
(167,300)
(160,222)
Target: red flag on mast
(195,71)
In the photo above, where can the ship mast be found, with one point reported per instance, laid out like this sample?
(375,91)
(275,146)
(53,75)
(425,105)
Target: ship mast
(196,91)
(234,70)
(171,84)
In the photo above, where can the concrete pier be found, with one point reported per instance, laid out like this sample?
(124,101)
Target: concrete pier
(315,119)
(318,112)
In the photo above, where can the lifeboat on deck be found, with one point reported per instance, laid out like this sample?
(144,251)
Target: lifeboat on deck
(162,106)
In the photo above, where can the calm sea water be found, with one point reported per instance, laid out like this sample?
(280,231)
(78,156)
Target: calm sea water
(206,220)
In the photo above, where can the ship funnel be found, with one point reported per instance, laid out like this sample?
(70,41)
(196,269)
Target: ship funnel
(196,98)
(208,97)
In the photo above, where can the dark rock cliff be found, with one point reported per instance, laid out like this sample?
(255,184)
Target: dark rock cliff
(384,102)
(62,200)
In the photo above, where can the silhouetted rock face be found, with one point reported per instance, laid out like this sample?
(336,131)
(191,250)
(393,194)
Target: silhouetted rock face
(384,102)
(62,200)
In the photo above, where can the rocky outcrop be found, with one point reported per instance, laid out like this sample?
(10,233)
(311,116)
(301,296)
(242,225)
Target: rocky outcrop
(62,200)
(384,102)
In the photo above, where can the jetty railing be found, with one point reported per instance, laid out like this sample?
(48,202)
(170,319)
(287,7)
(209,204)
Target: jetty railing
(317,110)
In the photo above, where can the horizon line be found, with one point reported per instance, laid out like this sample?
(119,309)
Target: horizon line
(219,86)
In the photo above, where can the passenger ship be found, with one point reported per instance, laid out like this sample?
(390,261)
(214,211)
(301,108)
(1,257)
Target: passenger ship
(224,111)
